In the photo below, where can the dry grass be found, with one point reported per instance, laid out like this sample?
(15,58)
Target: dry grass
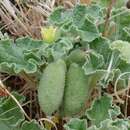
(20,18)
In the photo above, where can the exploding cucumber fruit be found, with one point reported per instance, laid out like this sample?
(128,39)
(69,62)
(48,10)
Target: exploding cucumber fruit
(51,86)
(76,91)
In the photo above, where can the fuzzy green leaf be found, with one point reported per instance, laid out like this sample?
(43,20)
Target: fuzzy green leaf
(102,109)
(10,114)
(76,124)
(94,12)
(93,68)
(61,48)
(23,55)
(88,31)
(107,125)
(101,46)
(79,13)
(94,61)
(11,117)
(118,124)
(59,16)
(76,22)
(124,48)
(33,125)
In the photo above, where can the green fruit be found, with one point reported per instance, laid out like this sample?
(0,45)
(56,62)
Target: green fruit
(51,87)
(77,56)
(76,91)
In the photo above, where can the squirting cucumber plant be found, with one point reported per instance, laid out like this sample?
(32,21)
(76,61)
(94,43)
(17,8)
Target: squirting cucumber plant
(80,68)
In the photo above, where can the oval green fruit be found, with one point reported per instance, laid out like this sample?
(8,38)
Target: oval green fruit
(51,87)
(77,91)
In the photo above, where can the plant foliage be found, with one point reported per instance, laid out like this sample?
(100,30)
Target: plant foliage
(89,55)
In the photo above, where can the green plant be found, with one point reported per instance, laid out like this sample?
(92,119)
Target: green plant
(86,56)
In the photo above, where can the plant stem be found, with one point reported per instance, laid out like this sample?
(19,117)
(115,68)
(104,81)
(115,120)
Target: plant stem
(112,2)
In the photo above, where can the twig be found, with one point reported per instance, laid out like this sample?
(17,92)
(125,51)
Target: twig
(122,12)
(115,87)
(30,106)
(126,104)
(112,2)
(48,120)
(121,91)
